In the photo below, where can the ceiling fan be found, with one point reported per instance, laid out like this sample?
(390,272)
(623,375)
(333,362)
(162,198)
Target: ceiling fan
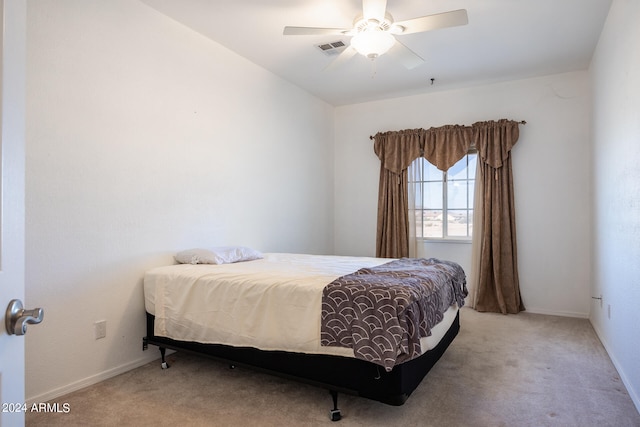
(373,33)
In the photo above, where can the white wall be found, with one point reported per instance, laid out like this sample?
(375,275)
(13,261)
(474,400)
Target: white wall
(616,145)
(144,138)
(551,172)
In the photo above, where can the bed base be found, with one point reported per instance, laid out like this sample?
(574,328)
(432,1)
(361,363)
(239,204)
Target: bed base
(337,374)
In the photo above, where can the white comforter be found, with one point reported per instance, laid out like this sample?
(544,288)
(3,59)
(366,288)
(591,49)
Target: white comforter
(271,304)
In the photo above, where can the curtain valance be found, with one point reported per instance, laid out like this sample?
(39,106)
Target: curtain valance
(398,149)
(443,146)
(494,140)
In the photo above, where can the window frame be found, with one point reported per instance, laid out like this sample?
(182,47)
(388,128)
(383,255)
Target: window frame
(446,238)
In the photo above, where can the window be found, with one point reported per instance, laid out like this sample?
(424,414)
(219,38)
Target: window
(443,207)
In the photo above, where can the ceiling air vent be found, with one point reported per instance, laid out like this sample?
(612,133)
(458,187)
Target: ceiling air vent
(333,48)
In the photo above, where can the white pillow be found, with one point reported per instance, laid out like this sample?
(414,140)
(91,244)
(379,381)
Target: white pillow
(219,255)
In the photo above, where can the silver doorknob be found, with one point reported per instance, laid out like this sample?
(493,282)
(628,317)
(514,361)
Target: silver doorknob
(17,318)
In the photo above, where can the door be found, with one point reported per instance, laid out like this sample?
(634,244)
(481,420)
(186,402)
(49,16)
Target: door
(12,168)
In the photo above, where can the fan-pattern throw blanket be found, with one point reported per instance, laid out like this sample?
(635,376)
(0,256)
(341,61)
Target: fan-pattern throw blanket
(382,312)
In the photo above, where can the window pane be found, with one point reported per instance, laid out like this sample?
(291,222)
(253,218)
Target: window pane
(472,191)
(457,221)
(433,223)
(431,173)
(459,170)
(418,190)
(419,215)
(432,196)
(473,162)
(457,194)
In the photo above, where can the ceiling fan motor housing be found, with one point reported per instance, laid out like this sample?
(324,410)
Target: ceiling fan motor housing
(360,24)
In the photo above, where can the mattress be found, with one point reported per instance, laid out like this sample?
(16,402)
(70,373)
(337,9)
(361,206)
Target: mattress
(273,303)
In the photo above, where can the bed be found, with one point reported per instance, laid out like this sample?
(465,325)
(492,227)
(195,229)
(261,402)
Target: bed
(331,321)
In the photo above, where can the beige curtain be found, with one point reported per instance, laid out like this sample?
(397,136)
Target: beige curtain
(396,151)
(415,174)
(476,237)
(496,286)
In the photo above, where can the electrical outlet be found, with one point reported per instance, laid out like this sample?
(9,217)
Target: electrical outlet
(100,329)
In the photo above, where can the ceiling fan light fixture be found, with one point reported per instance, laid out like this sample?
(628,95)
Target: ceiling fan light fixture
(372,43)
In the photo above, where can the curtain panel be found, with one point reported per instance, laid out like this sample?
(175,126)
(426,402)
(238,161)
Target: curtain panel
(396,151)
(496,284)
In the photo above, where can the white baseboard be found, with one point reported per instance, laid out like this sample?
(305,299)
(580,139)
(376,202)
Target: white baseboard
(635,397)
(94,379)
(557,313)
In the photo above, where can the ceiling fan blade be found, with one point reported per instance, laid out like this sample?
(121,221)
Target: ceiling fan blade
(434,22)
(374,9)
(405,56)
(313,31)
(341,59)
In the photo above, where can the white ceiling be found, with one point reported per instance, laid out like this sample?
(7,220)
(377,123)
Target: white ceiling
(504,40)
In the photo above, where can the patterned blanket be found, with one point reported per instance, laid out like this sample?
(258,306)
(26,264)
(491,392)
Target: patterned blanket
(382,312)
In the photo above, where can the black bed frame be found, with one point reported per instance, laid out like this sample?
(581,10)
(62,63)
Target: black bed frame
(335,373)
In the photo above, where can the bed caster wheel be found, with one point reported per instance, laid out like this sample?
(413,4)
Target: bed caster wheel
(335,415)
(163,353)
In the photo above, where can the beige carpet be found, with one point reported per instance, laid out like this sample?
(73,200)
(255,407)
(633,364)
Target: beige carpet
(515,370)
